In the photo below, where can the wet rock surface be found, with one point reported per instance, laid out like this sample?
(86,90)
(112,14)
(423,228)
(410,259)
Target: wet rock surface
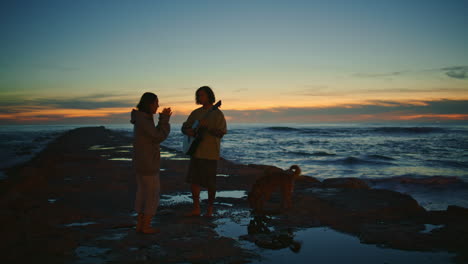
(74,203)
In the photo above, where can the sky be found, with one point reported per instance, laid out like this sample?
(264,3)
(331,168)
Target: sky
(89,61)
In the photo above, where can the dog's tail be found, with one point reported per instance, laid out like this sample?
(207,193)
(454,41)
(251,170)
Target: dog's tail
(296,170)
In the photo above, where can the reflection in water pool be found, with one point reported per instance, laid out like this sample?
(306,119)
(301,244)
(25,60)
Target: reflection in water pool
(100,147)
(187,197)
(234,229)
(87,254)
(116,236)
(179,158)
(121,159)
(324,245)
(429,228)
(165,154)
(80,224)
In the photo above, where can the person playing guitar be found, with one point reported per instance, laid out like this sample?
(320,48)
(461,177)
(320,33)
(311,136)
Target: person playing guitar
(204,157)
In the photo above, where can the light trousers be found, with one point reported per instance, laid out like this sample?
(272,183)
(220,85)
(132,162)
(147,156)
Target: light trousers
(147,194)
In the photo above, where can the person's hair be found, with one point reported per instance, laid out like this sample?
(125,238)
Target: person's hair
(146,100)
(208,91)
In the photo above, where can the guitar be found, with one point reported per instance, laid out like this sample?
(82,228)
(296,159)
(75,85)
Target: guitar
(190,144)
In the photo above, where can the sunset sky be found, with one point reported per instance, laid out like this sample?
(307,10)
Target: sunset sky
(268,61)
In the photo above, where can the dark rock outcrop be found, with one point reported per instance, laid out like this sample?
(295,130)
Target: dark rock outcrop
(350,183)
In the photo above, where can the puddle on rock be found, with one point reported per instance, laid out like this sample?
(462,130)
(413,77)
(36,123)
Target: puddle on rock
(100,147)
(121,159)
(231,194)
(225,204)
(117,236)
(165,154)
(80,224)
(187,197)
(179,158)
(320,245)
(429,228)
(88,254)
(229,228)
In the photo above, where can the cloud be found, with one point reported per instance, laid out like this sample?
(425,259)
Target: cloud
(457,72)
(86,102)
(95,108)
(378,75)
(369,111)
(82,104)
(379,93)
(115,108)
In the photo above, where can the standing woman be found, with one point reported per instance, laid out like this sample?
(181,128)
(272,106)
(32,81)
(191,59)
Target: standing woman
(204,162)
(146,157)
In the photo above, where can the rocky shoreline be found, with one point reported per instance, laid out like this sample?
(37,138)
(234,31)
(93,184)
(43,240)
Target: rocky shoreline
(73,203)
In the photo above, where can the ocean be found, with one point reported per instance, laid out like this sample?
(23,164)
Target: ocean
(429,162)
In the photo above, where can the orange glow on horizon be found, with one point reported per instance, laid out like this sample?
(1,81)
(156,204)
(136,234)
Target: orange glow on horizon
(436,116)
(241,112)
(46,113)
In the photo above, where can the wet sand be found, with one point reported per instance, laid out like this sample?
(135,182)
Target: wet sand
(74,203)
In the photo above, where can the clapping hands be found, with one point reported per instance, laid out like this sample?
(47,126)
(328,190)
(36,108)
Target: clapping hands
(166,111)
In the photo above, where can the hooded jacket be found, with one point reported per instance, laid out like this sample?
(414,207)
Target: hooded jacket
(146,140)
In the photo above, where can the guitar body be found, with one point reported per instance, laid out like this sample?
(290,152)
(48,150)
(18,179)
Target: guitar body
(188,140)
(190,144)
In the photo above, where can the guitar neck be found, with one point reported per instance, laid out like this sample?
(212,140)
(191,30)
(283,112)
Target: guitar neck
(214,107)
(196,124)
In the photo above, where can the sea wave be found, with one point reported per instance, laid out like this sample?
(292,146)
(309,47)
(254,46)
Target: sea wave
(420,180)
(323,153)
(357,131)
(315,131)
(316,153)
(379,157)
(355,161)
(318,142)
(358,161)
(20,146)
(299,153)
(449,163)
(408,130)
(282,129)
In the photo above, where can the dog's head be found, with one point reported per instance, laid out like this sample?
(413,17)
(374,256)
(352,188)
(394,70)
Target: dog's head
(294,170)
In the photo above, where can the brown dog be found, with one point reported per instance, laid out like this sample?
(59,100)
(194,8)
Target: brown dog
(273,179)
